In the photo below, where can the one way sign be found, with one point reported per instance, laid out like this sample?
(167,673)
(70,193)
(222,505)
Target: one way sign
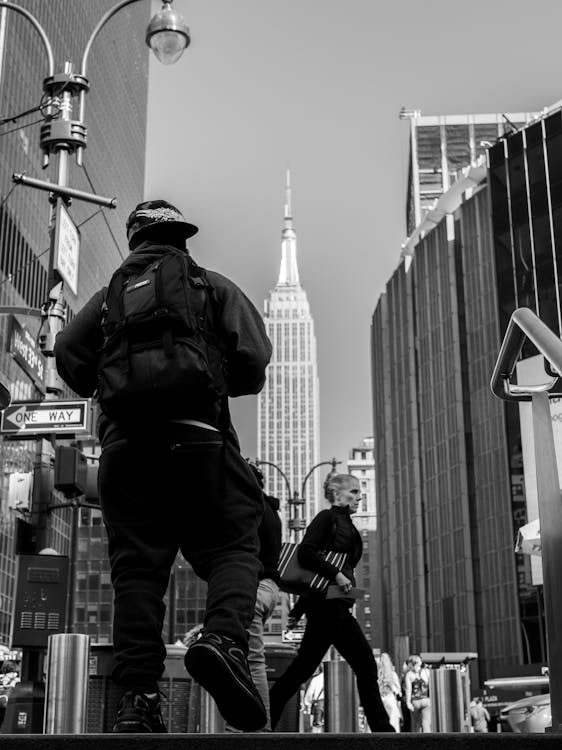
(24,418)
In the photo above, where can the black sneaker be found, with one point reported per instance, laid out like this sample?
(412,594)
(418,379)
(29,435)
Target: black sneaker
(220,666)
(139,713)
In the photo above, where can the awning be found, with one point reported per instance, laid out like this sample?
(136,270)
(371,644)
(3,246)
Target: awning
(515,683)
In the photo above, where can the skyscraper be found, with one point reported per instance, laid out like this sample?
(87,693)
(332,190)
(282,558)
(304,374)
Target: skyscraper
(450,481)
(288,406)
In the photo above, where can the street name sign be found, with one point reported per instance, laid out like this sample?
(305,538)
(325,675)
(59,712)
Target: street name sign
(67,247)
(23,348)
(29,418)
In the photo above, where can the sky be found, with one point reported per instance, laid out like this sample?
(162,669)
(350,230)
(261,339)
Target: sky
(315,86)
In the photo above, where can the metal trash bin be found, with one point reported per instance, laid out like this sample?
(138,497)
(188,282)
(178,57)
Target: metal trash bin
(66,693)
(341,705)
(25,709)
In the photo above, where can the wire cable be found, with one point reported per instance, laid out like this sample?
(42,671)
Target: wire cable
(47,100)
(10,276)
(10,191)
(21,127)
(91,184)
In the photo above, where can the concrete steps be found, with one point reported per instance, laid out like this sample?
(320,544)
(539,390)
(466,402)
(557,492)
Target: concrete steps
(285,741)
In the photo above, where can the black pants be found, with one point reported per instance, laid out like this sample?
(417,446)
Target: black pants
(329,622)
(185,492)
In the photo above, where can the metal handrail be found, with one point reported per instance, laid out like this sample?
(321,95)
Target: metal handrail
(524,324)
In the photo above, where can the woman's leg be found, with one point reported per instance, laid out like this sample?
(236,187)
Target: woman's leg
(425,715)
(356,650)
(315,642)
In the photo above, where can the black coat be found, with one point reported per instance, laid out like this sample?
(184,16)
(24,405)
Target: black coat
(241,332)
(331,529)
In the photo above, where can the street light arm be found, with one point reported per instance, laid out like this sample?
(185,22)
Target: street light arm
(101,23)
(268,463)
(84,64)
(333,463)
(40,30)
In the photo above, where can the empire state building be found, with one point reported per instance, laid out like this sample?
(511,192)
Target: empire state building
(288,406)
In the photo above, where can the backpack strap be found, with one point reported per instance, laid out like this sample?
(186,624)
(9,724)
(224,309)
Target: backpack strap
(198,279)
(112,327)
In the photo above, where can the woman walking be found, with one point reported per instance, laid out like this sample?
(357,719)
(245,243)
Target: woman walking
(416,684)
(329,621)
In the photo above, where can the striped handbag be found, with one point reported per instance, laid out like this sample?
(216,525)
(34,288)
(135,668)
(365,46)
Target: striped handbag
(295,579)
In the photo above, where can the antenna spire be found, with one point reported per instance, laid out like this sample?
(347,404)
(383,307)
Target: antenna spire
(289,272)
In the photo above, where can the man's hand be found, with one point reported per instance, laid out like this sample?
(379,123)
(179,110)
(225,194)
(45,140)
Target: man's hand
(343,582)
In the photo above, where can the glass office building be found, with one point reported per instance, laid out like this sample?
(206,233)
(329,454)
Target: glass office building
(450,487)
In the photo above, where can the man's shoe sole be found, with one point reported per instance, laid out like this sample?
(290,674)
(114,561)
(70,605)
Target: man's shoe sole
(243,712)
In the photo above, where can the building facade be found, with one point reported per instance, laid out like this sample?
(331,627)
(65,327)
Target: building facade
(441,146)
(450,485)
(361,464)
(288,406)
(113,166)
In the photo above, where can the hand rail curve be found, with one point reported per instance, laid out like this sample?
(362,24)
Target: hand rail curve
(524,324)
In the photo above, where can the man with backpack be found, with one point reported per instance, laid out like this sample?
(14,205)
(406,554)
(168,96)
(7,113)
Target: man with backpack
(162,348)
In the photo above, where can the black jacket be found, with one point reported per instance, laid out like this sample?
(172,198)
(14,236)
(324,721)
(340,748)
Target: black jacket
(240,331)
(331,529)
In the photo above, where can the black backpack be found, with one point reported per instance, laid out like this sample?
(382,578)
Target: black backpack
(160,353)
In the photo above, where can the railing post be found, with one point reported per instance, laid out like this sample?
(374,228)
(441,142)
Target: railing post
(550,518)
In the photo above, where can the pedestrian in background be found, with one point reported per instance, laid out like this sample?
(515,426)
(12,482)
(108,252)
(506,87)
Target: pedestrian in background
(313,701)
(329,621)
(416,687)
(479,715)
(390,689)
(267,596)
(406,725)
(171,476)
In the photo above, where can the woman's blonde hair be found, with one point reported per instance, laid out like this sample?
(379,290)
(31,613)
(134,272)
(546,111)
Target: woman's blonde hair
(386,667)
(335,482)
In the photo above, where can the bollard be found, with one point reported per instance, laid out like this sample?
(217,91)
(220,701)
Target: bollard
(66,692)
(341,705)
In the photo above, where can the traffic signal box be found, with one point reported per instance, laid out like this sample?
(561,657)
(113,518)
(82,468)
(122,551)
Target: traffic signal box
(74,475)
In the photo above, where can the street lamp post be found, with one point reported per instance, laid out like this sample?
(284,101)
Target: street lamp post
(297,522)
(60,137)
